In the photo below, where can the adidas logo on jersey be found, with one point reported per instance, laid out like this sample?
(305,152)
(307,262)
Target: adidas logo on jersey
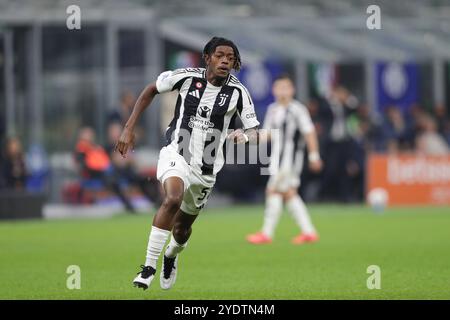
(195,93)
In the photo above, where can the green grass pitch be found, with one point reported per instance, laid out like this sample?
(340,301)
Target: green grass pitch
(410,245)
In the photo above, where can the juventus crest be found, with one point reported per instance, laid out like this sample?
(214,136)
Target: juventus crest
(223,98)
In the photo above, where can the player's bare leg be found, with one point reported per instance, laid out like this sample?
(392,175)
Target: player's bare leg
(182,229)
(300,214)
(162,225)
(174,191)
(272,213)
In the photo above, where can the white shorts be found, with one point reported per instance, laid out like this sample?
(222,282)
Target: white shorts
(283,181)
(197,187)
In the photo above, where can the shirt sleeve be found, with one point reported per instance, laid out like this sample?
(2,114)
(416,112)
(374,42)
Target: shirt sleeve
(171,80)
(246,110)
(304,120)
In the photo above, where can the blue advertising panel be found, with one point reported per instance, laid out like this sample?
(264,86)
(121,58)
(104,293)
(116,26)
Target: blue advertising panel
(397,85)
(258,79)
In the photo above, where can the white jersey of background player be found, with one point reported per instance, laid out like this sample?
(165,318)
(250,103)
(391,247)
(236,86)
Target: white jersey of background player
(294,129)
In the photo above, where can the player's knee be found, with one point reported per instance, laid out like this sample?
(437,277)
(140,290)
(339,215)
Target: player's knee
(291,193)
(181,233)
(172,202)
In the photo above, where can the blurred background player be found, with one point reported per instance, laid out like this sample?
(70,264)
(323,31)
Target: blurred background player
(292,121)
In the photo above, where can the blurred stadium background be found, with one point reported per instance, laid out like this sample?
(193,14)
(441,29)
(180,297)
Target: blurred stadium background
(394,133)
(55,81)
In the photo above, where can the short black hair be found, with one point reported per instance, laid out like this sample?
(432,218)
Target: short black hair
(212,44)
(283,76)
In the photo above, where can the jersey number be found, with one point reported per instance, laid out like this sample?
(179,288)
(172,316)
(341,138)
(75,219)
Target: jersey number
(205,192)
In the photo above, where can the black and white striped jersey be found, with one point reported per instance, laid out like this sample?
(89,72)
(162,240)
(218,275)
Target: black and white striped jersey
(290,123)
(203,114)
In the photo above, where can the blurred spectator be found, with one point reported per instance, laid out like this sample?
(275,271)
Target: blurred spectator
(121,114)
(429,141)
(314,109)
(14,170)
(38,166)
(94,163)
(398,133)
(311,181)
(412,117)
(446,132)
(372,129)
(348,132)
(362,129)
(336,109)
(441,119)
(124,168)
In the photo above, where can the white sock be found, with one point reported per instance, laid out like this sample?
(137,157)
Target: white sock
(156,242)
(274,206)
(174,248)
(300,213)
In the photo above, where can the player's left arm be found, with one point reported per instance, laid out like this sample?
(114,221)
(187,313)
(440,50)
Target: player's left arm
(315,162)
(246,110)
(245,135)
(252,135)
(312,143)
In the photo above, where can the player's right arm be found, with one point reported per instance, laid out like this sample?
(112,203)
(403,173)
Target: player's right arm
(167,81)
(246,111)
